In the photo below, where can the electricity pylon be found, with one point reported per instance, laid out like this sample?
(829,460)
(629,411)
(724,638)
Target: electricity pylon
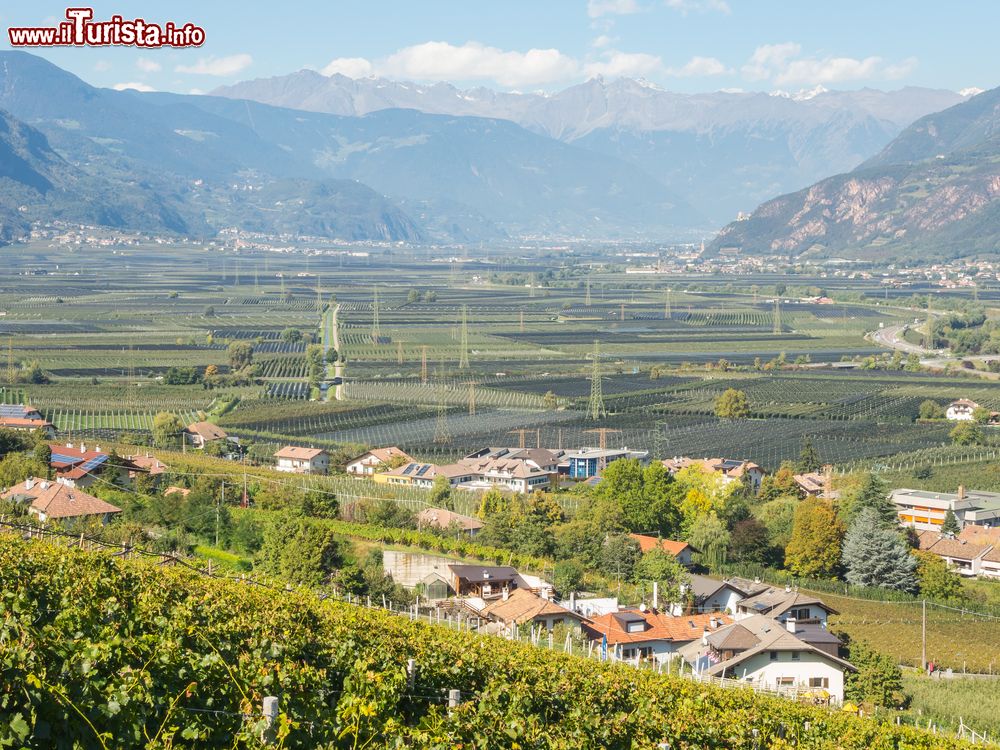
(520,433)
(602,433)
(441,433)
(11,374)
(667,313)
(777,317)
(463,357)
(376,329)
(587,299)
(596,409)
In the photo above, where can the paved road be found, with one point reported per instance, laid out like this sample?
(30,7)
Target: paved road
(891,337)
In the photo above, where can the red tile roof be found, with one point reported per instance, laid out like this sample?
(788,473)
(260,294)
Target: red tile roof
(56,500)
(647,543)
(302,454)
(659,626)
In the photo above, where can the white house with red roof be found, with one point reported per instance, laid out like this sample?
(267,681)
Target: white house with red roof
(296,460)
(57,501)
(370,462)
(24,419)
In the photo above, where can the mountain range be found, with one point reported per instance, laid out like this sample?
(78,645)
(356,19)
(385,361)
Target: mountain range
(396,161)
(933,192)
(724,152)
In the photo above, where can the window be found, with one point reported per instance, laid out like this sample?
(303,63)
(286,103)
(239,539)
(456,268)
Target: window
(799,614)
(785,681)
(774,656)
(795,655)
(819,682)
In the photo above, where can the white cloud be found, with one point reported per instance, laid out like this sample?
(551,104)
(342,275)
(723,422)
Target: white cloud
(102,66)
(598,8)
(698,67)
(971,91)
(148,66)
(217,66)
(603,41)
(686,6)
(474,61)
(617,64)
(352,67)
(133,85)
(783,65)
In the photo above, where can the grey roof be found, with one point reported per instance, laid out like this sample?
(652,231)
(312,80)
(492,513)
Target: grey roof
(774,601)
(483,572)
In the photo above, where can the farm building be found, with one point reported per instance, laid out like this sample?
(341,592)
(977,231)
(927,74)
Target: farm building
(370,462)
(974,552)
(296,460)
(58,501)
(520,606)
(817,484)
(77,466)
(784,604)
(961,410)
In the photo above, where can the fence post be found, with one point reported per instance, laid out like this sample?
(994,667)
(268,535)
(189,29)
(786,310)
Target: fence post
(270,711)
(454,698)
(411,673)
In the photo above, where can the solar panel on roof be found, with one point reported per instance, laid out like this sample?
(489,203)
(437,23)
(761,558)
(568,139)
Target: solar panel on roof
(62,458)
(423,470)
(12,410)
(94,462)
(409,469)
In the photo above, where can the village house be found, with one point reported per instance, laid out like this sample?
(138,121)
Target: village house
(78,466)
(961,410)
(296,460)
(200,434)
(972,553)
(731,469)
(713,595)
(444,520)
(784,604)
(817,484)
(418,474)
(370,462)
(57,501)
(649,634)
(544,459)
(146,464)
(925,511)
(25,419)
(520,606)
(784,656)
(680,551)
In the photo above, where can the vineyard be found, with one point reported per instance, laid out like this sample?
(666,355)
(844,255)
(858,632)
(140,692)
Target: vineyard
(105,652)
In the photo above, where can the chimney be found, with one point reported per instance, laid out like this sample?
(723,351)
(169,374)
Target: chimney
(642,607)
(790,625)
(656,595)
(29,483)
(97,448)
(83,447)
(961,492)
(714,622)
(677,610)
(44,485)
(506,593)
(704,637)
(788,588)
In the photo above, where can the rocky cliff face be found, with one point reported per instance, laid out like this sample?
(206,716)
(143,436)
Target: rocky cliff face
(940,197)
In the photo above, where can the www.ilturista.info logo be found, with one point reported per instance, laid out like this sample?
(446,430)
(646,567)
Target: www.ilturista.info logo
(80,30)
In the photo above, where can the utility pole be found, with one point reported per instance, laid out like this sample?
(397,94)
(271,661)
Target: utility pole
(777,316)
(621,314)
(218,512)
(520,433)
(596,409)
(423,364)
(463,356)
(602,433)
(376,330)
(11,374)
(522,321)
(667,313)
(923,636)
(587,298)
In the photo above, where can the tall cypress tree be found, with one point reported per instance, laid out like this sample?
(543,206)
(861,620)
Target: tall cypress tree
(876,555)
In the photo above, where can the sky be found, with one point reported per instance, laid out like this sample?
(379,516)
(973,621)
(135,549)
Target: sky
(546,45)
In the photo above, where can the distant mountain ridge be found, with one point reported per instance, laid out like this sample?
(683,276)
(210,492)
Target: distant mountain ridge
(435,177)
(723,152)
(933,192)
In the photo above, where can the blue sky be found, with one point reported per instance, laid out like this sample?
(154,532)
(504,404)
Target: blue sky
(527,45)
